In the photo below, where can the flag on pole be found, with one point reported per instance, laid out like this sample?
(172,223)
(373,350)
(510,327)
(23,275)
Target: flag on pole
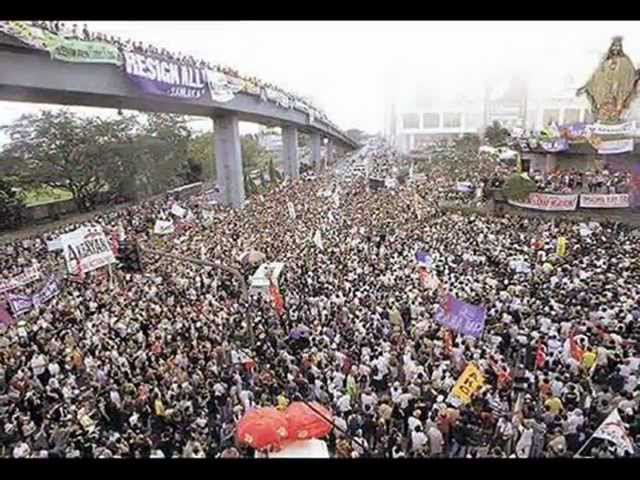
(317,239)
(574,348)
(423,259)
(276,296)
(614,430)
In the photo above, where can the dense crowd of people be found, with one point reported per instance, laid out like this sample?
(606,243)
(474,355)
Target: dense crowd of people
(78,32)
(164,363)
(575,181)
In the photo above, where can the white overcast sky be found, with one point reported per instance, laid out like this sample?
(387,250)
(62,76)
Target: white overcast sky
(351,68)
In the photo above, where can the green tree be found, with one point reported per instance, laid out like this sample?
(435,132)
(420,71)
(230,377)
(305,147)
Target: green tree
(172,167)
(253,154)
(12,205)
(59,149)
(496,135)
(518,187)
(201,151)
(274,174)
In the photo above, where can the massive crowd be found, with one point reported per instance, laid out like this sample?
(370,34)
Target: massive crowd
(162,364)
(575,181)
(77,32)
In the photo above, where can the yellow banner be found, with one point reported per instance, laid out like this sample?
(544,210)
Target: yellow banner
(469,382)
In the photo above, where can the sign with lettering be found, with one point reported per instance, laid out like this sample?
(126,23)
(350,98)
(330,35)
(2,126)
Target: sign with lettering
(469,382)
(158,76)
(595,200)
(548,202)
(86,249)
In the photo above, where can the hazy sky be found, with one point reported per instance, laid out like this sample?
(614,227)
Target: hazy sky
(351,68)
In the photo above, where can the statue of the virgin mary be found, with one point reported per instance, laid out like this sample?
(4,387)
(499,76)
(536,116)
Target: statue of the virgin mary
(612,86)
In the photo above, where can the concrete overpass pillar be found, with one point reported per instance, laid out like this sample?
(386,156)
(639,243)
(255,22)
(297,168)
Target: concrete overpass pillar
(316,155)
(229,173)
(330,153)
(290,152)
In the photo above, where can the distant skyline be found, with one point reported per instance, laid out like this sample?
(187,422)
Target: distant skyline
(354,69)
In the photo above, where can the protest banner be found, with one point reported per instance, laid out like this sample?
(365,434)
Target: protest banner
(159,76)
(24,303)
(178,211)
(548,202)
(163,227)
(626,129)
(29,275)
(461,317)
(79,51)
(611,147)
(599,200)
(86,249)
(469,382)
(29,35)
(612,429)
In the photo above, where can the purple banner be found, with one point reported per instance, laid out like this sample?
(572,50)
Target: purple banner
(24,303)
(462,317)
(20,304)
(158,76)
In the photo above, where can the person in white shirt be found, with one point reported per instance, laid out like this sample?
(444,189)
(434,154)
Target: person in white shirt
(418,439)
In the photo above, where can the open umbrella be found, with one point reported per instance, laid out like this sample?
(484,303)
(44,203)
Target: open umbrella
(262,428)
(305,422)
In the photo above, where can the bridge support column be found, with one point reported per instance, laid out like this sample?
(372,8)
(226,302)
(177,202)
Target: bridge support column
(290,161)
(329,155)
(229,174)
(316,151)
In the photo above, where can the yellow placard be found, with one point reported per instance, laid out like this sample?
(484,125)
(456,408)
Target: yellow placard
(561,247)
(469,382)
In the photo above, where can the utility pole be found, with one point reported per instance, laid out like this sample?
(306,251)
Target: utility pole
(219,266)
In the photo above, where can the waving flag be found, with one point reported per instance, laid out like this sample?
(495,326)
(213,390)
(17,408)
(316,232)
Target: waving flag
(276,296)
(575,348)
(614,430)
